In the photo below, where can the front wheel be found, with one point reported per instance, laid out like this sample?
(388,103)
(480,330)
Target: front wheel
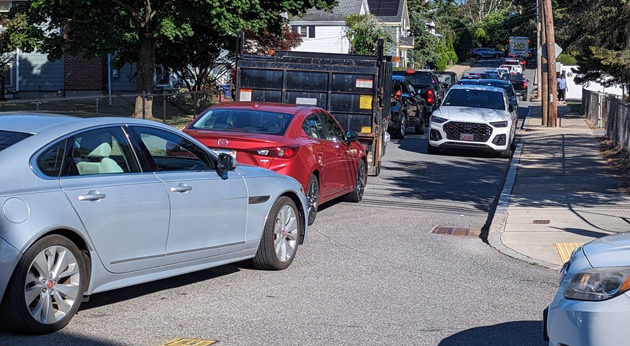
(281,235)
(359,183)
(46,288)
(312,197)
(402,126)
(505,154)
(433,150)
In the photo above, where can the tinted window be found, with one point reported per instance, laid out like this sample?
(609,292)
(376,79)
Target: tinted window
(334,130)
(244,120)
(171,152)
(50,161)
(102,151)
(8,138)
(475,98)
(420,79)
(313,127)
(506,86)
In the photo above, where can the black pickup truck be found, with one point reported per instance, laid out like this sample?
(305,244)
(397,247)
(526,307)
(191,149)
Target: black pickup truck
(519,82)
(427,85)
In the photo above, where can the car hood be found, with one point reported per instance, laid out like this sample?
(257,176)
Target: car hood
(472,114)
(612,250)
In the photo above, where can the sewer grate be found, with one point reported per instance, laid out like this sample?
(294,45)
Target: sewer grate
(456,231)
(541,222)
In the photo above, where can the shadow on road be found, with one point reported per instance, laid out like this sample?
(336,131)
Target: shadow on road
(518,333)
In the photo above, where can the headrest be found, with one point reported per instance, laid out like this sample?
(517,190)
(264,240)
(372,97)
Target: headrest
(102,150)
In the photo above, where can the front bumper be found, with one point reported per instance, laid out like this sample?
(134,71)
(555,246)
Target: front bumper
(9,257)
(582,323)
(498,141)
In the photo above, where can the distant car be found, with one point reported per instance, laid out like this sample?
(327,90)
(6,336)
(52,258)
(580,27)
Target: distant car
(304,142)
(505,85)
(474,117)
(519,82)
(414,104)
(592,304)
(427,85)
(96,204)
(471,81)
(489,53)
(447,79)
(514,64)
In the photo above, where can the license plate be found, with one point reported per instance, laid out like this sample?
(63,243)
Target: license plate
(224,151)
(466,137)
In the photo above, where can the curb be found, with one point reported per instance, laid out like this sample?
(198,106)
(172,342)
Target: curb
(499,220)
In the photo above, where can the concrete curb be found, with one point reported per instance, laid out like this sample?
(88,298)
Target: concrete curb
(499,220)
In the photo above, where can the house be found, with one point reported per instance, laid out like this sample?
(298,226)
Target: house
(325,32)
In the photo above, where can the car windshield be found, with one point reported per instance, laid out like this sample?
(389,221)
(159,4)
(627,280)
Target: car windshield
(474,98)
(506,86)
(244,120)
(8,138)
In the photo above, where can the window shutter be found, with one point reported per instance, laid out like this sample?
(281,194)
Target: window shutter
(311,31)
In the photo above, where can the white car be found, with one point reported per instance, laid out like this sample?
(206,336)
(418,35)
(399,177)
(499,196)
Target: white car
(592,305)
(476,117)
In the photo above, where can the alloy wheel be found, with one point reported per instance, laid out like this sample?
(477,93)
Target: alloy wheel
(285,233)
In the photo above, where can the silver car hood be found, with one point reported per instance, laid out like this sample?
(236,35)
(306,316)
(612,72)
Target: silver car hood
(472,114)
(608,251)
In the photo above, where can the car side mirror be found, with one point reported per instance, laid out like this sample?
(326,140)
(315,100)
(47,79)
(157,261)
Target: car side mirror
(351,136)
(511,107)
(225,164)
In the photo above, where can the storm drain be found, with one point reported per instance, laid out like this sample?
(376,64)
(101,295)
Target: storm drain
(470,232)
(190,342)
(541,222)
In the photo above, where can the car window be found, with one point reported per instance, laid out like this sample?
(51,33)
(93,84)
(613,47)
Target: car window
(334,131)
(102,151)
(244,120)
(475,98)
(313,127)
(171,152)
(8,138)
(50,161)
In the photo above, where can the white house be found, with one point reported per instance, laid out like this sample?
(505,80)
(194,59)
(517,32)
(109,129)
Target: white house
(325,32)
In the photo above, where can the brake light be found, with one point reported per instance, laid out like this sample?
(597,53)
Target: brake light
(524,85)
(409,71)
(281,152)
(430,97)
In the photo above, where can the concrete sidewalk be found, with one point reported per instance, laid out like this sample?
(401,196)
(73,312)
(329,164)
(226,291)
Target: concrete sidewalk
(559,193)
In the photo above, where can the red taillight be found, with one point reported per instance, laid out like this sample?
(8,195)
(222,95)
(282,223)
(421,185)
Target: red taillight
(281,152)
(410,72)
(524,85)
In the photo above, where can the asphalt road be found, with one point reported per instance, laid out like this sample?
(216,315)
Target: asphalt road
(370,274)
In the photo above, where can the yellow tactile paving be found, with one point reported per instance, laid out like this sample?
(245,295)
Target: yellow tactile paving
(189,342)
(565,250)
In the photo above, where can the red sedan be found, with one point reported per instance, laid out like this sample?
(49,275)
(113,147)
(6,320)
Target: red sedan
(304,142)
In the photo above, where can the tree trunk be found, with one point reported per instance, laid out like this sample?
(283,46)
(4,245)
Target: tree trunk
(146,65)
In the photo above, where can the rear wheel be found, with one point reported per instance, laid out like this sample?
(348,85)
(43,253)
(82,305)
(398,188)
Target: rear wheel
(359,183)
(420,126)
(280,238)
(525,97)
(46,288)
(497,56)
(312,197)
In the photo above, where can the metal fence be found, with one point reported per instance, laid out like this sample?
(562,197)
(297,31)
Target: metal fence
(594,107)
(166,106)
(618,124)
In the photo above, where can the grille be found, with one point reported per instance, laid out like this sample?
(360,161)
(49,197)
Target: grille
(480,132)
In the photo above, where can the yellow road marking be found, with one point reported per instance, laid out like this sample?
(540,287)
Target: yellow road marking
(565,250)
(189,342)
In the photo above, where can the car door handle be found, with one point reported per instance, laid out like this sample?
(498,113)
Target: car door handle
(92,195)
(181,188)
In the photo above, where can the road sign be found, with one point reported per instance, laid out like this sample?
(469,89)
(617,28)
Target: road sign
(543,50)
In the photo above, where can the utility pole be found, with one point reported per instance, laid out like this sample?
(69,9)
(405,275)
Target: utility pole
(552,89)
(539,40)
(544,71)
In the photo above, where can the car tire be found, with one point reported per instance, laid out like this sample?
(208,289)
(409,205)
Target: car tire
(281,236)
(433,150)
(525,97)
(312,198)
(399,133)
(505,154)
(359,183)
(497,56)
(420,127)
(42,297)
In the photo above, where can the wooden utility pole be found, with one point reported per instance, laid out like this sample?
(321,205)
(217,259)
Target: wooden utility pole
(552,88)
(544,71)
(539,40)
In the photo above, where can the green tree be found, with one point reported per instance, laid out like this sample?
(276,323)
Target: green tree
(137,29)
(364,31)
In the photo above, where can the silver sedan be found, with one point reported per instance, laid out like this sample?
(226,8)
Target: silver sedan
(91,205)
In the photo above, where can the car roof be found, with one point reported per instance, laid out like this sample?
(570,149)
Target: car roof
(264,106)
(494,81)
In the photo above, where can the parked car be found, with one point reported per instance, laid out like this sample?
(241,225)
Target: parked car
(91,205)
(592,303)
(304,142)
(447,79)
(519,82)
(514,64)
(426,84)
(413,103)
(505,85)
(474,117)
(489,53)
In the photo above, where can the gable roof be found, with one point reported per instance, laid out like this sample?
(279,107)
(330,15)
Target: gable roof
(339,13)
(387,10)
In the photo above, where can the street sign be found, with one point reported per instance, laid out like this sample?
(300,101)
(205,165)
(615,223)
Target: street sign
(543,50)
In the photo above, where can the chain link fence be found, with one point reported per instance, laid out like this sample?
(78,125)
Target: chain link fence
(618,124)
(168,107)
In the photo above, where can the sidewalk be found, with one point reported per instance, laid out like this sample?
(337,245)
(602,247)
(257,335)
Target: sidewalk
(559,193)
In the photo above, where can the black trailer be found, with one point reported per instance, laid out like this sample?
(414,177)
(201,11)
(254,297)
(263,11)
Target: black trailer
(356,89)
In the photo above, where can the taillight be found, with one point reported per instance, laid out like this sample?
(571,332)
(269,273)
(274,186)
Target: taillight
(524,85)
(430,98)
(281,152)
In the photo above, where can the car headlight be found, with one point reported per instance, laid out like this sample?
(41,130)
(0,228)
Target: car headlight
(596,284)
(438,120)
(499,123)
